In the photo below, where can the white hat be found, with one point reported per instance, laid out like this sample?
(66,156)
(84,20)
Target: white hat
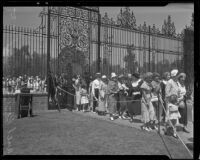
(174,72)
(113,75)
(104,76)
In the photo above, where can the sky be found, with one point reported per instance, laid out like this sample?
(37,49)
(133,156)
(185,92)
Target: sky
(180,15)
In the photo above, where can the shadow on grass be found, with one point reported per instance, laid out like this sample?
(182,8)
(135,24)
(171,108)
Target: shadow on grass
(191,139)
(190,145)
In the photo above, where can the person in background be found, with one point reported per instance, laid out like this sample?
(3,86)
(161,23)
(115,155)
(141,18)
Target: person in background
(166,77)
(123,93)
(182,101)
(156,100)
(171,88)
(174,114)
(95,90)
(90,94)
(13,84)
(77,86)
(113,89)
(9,83)
(146,104)
(84,98)
(4,85)
(135,96)
(101,109)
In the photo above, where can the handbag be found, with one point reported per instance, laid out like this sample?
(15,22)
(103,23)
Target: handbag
(181,104)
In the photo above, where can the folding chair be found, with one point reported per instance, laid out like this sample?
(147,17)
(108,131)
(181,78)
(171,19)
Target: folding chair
(25,105)
(25,102)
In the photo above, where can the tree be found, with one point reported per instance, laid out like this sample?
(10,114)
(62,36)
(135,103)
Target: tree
(21,62)
(72,61)
(130,59)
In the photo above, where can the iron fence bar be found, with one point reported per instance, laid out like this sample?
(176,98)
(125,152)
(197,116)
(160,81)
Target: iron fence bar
(48,49)
(149,50)
(99,43)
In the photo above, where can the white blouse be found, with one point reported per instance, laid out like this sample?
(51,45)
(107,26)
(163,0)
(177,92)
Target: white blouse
(182,90)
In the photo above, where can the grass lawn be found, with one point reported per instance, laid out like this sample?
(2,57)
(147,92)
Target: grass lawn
(69,133)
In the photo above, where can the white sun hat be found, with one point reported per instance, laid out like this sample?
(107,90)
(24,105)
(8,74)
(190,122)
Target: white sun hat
(103,77)
(174,72)
(113,75)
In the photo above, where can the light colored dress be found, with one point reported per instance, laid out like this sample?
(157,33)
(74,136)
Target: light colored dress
(112,98)
(102,97)
(147,110)
(78,92)
(173,112)
(84,96)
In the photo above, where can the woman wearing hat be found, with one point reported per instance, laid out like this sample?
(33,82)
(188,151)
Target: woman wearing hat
(77,86)
(134,107)
(123,93)
(166,77)
(146,104)
(95,90)
(182,101)
(156,92)
(113,89)
(171,88)
(101,109)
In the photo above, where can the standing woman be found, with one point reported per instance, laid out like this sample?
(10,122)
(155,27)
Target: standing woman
(77,87)
(95,90)
(101,109)
(171,88)
(166,77)
(113,89)
(146,104)
(182,101)
(123,93)
(134,107)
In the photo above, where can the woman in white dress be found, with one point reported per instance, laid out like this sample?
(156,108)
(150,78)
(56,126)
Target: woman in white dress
(101,109)
(77,87)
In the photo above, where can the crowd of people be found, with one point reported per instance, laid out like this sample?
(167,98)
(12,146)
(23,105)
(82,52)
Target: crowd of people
(13,85)
(160,99)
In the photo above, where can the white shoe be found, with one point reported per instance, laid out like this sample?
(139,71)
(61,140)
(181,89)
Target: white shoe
(156,128)
(111,118)
(146,129)
(120,117)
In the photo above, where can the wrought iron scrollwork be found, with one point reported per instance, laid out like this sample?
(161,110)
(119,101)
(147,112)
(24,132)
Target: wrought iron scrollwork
(126,19)
(168,28)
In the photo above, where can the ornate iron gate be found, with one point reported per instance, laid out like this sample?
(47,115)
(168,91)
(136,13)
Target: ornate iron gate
(74,44)
(70,38)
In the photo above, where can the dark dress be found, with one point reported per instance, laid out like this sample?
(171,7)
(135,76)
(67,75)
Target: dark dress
(134,107)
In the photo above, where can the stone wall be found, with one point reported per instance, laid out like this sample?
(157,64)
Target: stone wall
(40,103)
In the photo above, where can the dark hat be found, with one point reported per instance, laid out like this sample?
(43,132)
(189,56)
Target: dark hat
(136,75)
(148,75)
(155,74)
(182,75)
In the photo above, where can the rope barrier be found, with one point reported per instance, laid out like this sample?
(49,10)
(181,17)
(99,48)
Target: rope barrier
(97,100)
(175,130)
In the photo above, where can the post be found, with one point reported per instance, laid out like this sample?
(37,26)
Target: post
(149,50)
(99,43)
(48,49)
(159,113)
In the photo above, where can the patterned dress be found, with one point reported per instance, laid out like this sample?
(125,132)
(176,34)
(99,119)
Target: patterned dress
(112,97)
(102,97)
(146,104)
